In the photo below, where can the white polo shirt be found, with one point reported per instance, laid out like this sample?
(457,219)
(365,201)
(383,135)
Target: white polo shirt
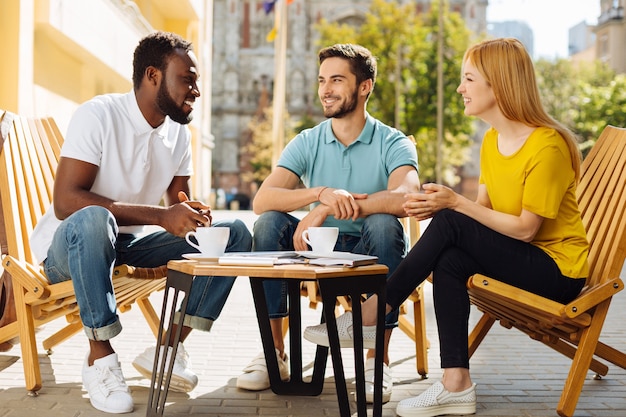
(136,161)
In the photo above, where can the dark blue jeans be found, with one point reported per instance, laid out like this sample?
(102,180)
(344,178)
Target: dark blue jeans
(382,235)
(86,246)
(453,247)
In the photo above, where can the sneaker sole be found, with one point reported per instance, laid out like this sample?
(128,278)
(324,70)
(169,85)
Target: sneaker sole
(257,386)
(104,409)
(439,410)
(177,383)
(251,386)
(344,343)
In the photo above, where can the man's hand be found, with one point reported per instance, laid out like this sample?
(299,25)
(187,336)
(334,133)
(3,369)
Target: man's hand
(342,203)
(186,216)
(199,206)
(316,217)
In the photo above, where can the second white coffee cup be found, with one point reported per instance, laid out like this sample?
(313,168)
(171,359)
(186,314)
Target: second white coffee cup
(212,241)
(321,239)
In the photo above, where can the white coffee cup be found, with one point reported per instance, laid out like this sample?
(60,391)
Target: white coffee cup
(321,239)
(212,241)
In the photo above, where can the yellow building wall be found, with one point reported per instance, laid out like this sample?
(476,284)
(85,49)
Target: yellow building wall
(57,54)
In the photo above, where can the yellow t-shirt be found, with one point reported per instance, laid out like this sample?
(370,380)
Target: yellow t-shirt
(539,178)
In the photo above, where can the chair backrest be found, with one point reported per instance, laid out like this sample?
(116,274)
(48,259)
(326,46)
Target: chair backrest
(28,162)
(602,202)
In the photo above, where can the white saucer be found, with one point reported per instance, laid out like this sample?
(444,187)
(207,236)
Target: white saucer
(201,258)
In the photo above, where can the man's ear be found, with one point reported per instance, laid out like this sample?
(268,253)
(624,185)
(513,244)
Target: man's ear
(153,75)
(366,87)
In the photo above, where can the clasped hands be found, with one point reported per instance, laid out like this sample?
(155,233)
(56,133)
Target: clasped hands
(341,203)
(434,198)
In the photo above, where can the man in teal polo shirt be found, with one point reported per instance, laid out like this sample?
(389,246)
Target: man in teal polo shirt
(356,171)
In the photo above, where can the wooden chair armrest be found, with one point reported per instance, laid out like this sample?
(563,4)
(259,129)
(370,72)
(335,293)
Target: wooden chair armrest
(25,277)
(517,295)
(125,270)
(590,298)
(582,304)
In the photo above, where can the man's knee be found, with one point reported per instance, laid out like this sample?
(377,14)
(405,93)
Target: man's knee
(271,230)
(240,239)
(382,227)
(95,221)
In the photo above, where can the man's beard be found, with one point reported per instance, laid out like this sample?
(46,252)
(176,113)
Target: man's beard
(343,110)
(168,107)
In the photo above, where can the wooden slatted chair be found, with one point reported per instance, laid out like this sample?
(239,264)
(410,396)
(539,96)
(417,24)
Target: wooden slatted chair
(28,162)
(573,329)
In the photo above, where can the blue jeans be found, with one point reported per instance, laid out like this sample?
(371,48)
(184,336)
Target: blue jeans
(87,246)
(382,235)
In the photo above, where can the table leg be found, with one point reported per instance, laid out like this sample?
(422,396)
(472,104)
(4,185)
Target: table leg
(295,385)
(160,381)
(354,287)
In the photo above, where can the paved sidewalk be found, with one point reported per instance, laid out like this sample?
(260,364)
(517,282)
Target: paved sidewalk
(515,375)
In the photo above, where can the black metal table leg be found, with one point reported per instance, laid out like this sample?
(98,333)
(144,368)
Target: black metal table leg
(296,385)
(160,381)
(354,287)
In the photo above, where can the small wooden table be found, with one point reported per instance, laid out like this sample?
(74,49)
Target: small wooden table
(333,282)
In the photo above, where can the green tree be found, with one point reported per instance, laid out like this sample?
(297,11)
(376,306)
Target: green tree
(405,96)
(585,96)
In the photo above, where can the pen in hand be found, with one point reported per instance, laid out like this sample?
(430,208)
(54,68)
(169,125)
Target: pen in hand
(182,197)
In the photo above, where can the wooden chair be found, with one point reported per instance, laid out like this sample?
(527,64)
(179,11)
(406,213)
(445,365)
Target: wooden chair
(573,329)
(28,162)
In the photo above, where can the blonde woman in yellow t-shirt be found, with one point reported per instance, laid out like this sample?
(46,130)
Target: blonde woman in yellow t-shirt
(524,227)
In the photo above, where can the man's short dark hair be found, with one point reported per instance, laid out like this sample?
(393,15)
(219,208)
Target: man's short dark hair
(153,51)
(362,62)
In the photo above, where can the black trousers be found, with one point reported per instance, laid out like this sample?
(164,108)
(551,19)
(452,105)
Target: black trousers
(453,247)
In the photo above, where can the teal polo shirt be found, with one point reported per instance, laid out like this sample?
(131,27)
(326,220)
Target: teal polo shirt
(319,159)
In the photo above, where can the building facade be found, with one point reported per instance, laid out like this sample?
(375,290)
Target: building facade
(611,34)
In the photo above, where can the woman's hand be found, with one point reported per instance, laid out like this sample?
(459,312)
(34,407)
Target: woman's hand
(426,204)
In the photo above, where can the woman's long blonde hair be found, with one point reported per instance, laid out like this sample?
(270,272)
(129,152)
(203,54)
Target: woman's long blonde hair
(509,70)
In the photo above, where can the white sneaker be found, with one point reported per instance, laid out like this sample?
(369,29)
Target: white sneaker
(256,377)
(183,378)
(369,381)
(319,334)
(437,401)
(106,386)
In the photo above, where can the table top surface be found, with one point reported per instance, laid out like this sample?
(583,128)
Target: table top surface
(300,271)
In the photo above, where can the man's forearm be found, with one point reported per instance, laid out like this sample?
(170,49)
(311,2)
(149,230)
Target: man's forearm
(126,214)
(383,202)
(284,200)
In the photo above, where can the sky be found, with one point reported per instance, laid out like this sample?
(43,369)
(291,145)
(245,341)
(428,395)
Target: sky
(550,20)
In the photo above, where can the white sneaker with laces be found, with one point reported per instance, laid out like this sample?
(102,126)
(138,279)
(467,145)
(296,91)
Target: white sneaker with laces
(183,378)
(319,334)
(369,382)
(105,384)
(437,401)
(255,376)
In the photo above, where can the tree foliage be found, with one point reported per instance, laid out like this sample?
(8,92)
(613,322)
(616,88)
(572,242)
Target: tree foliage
(405,95)
(586,97)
